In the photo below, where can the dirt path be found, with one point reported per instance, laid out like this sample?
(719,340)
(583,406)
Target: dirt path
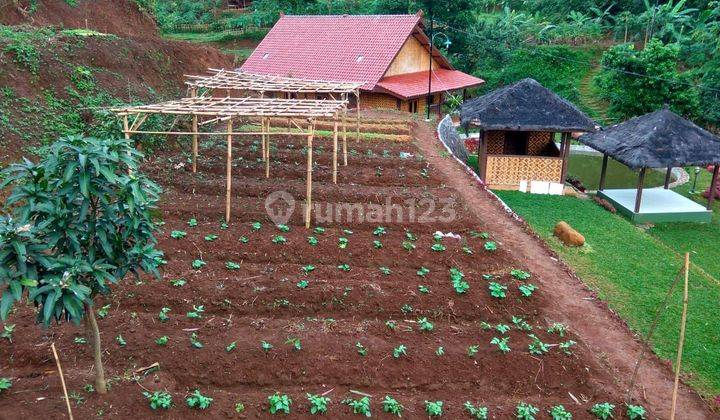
(615,346)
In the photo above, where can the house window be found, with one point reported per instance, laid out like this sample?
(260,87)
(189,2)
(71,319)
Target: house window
(413,106)
(398,104)
(516,143)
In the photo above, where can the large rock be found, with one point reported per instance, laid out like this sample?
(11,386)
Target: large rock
(568,235)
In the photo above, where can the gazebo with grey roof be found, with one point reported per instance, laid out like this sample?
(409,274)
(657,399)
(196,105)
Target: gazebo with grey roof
(659,140)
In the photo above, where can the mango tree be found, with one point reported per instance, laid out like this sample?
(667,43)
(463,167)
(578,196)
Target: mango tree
(76,223)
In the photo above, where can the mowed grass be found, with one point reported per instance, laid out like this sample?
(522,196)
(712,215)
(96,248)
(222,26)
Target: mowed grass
(632,271)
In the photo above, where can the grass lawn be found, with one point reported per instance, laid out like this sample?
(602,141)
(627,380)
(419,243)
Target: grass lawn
(632,271)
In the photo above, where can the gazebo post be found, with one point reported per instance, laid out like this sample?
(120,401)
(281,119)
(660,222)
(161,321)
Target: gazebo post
(335,149)
(603,172)
(266,130)
(668,174)
(194,143)
(565,154)
(482,155)
(713,186)
(641,183)
(228,185)
(308,191)
(344,126)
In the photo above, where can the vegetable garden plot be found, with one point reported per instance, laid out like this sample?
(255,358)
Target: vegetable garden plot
(263,314)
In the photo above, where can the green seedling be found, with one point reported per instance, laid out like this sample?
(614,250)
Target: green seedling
(377,244)
(343,267)
(520,274)
(197,312)
(159,400)
(362,350)
(295,342)
(244,239)
(360,406)
(559,412)
(319,230)
(440,351)
(525,411)
(266,347)
(502,328)
(603,411)
(521,324)
(318,403)
(406,309)
(497,290)
(635,412)
(8,330)
(425,325)
(408,246)
(391,324)
(467,250)
(178,234)
(490,246)
(312,240)
(422,272)
(434,408)
(486,326)
(302,284)
(423,289)
(192,222)
(223,226)
(392,406)
(565,346)
(162,340)
(410,236)
(279,239)
(120,340)
(399,351)
(239,408)
(198,400)
(477,412)
(230,347)
(163,314)
(473,350)
(5,384)
(386,271)
(101,313)
(178,282)
(526,290)
(283,228)
(195,341)
(457,278)
(347,231)
(501,343)
(211,237)
(232,265)
(379,231)
(307,269)
(343,242)
(255,226)
(537,347)
(198,264)
(438,247)
(558,328)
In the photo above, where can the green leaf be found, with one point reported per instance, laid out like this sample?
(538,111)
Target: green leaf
(6,304)
(85,184)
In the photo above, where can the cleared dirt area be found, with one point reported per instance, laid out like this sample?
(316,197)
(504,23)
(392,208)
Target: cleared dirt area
(260,300)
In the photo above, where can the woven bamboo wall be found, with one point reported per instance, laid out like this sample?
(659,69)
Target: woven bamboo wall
(495,142)
(538,141)
(510,170)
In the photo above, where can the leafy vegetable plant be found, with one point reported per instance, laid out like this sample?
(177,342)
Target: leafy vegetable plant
(490,246)
(198,264)
(386,271)
(230,347)
(283,228)
(266,346)
(558,328)
(318,403)
(473,350)
(408,246)
(343,242)
(392,406)
(362,350)
(425,325)
(159,400)
(476,412)
(422,271)
(178,234)
(525,411)
(566,345)
(527,290)
(161,341)
(7,331)
(635,412)
(438,247)
(178,282)
(603,411)
(377,244)
(537,347)
(440,351)
(501,343)
(303,284)
(423,289)
(192,222)
(559,412)
(198,400)
(521,324)
(434,408)
(211,237)
(195,341)
(497,290)
(255,226)
(520,274)
(312,240)
(278,239)
(297,345)
(457,278)
(379,231)
(5,384)
(344,267)
(232,265)
(360,406)
(163,314)
(197,312)
(399,351)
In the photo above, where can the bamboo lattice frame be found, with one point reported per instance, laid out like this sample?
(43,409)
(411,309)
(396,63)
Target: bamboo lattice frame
(240,80)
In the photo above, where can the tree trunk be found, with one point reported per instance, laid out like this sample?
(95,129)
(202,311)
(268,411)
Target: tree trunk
(92,326)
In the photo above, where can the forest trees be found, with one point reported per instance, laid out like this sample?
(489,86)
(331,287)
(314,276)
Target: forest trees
(637,82)
(78,221)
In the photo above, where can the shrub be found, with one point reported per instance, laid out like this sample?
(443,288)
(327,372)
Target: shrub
(635,412)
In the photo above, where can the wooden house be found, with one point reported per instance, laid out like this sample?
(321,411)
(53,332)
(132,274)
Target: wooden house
(390,54)
(519,126)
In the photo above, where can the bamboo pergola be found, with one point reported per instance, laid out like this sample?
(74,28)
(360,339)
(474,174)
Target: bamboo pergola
(206,110)
(234,80)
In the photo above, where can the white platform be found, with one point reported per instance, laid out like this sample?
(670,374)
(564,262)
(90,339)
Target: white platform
(657,205)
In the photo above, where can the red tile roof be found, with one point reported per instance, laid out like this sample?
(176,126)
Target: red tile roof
(348,47)
(412,85)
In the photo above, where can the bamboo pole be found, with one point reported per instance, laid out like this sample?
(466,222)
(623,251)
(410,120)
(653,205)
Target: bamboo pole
(681,343)
(335,150)
(62,380)
(266,128)
(344,126)
(126,131)
(228,187)
(194,143)
(308,192)
(262,138)
(357,133)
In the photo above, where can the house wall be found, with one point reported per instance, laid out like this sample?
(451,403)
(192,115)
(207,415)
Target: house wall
(412,58)
(381,100)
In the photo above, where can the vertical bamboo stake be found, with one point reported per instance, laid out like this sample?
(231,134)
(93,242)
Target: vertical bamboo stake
(262,137)
(228,187)
(266,130)
(357,133)
(62,380)
(126,130)
(335,150)
(683,320)
(308,191)
(344,124)
(194,143)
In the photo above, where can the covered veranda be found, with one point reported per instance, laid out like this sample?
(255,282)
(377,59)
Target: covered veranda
(659,140)
(301,114)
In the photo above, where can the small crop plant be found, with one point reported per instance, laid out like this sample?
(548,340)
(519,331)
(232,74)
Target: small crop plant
(459,284)
(490,246)
(473,350)
(497,290)
(239,407)
(197,312)
(232,265)
(159,400)
(198,401)
(279,239)
(101,313)
(525,411)
(318,403)
(386,271)
(306,269)
(344,267)
(198,264)
(434,408)
(211,237)
(163,316)
(501,343)
(477,412)
(440,351)
(399,351)
(379,231)
(392,406)
(195,341)
(559,412)
(558,328)
(408,246)
(319,230)
(244,239)
(360,406)
(603,411)
(566,345)
(502,328)
(423,289)
(178,234)
(312,240)
(406,309)
(255,226)
(8,330)
(391,324)
(162,341)
(120,340)
(425,325)
(302,284)
(265,346)
(343,242)
(230,347)
(362,350)
(192,222)
(537,347)
(438,247)
(5,384)
(526,290)
(178,282)
(521,324)
(377,244)
(410,236)
(295,342)
(283,228)
(520,274)
(635,412)
(422,272)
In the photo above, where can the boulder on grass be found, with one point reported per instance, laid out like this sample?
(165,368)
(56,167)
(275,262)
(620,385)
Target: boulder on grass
(568,235)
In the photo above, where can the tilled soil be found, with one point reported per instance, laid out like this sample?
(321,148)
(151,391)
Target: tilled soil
(261,301)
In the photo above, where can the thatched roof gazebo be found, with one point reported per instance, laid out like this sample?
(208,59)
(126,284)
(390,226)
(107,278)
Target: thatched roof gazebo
(517,124)
(661,139)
